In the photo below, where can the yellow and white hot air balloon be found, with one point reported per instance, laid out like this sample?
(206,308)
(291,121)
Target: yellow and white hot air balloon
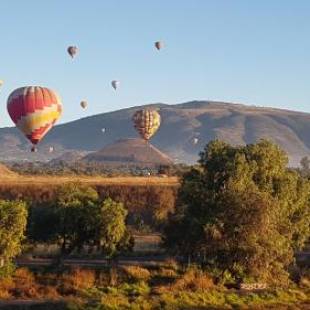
(146,122)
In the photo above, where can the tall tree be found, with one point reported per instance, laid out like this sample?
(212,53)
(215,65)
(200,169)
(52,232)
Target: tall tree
(13,219)
(113,235)
(76,211)
(242,210)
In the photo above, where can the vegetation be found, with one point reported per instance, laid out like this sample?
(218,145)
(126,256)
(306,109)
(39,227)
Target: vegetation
(13,219)
(77,218)
(238,218)
(94,168)
(144,288)
(242,212)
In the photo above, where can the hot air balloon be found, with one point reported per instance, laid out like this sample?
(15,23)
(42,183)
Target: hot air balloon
(195,141)
(51,149)
(103,130)
(146,122)
(83,104)
(115,84)
(34,110)
(1,83)
(72,51)
(159,45)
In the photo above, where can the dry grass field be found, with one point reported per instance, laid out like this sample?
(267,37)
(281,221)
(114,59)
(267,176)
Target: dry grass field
(57,180)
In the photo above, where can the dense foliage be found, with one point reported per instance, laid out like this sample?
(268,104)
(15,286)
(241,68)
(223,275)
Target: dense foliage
(93,168)
(77,218)
(242,211)
(13,219)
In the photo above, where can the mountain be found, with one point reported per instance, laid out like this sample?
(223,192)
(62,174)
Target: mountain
(181,125)
(131,151)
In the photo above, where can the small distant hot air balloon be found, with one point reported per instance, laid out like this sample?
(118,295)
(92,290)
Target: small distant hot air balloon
(115,84)
(103,130)
(159,45)
(195,141)
(51,149)
(34,110)
(1,83)
(83,104)
(146,122)
(72,51)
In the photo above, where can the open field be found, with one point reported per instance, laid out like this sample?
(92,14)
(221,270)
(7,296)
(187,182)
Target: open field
(142,196)
(91,180)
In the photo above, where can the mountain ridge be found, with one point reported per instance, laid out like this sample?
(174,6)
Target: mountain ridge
(182,124)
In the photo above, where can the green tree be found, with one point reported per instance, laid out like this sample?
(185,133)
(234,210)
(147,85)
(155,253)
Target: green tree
(76,218)
(113,235)
(242,210)
(13,219)
(76,212)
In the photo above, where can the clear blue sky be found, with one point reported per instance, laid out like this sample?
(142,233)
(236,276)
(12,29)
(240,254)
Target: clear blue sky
(253,52)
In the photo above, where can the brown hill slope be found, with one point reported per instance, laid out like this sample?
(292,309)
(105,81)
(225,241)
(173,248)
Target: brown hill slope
(134,151)
(6,172)
(181,124)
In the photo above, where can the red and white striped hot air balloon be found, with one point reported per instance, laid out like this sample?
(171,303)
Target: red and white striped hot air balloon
(34,110)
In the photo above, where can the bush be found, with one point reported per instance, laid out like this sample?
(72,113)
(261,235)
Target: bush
(137,273)
(193,279)
(6,287)
(25,284)
(77,280)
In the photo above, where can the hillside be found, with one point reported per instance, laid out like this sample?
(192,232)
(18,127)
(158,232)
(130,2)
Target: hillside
(131,151)
(181,124)
(6,172)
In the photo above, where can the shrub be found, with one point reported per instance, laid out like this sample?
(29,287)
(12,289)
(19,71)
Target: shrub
(77,280)
(137,273)
(25,284)
(6,287)
(193,279)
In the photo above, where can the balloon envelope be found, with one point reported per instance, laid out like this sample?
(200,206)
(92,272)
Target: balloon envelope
(146,122)
(115,84)
(72,51)
(159,45)
(34,110)
(83,104)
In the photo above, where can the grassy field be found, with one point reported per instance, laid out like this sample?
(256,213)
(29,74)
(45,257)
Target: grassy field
(56,180)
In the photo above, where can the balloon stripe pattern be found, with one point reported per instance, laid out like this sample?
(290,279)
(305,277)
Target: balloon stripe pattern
(34,110)
(146,122)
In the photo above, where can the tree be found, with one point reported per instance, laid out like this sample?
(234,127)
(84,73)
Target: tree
(77,218)
(113,235)
(76,213)
(242,210)
(13,219)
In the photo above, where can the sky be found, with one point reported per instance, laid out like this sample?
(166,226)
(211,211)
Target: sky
(251,52)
